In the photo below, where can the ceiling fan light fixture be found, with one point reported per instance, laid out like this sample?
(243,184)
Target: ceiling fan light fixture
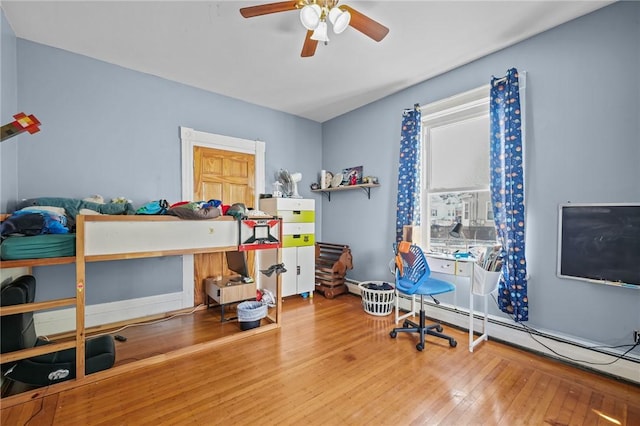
(333,14)
(341,21)
(310,16)
(320,33)
(316,16)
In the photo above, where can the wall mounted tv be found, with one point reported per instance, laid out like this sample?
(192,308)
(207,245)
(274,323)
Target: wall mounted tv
(600,243)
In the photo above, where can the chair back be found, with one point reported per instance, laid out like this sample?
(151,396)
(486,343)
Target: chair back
(412,269)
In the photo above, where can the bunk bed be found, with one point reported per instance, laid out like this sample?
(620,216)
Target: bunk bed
(117,237)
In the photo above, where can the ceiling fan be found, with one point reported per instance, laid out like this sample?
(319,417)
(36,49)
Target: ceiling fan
(314,15)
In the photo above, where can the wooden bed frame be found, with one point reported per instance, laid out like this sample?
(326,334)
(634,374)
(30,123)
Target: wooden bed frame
(117,237)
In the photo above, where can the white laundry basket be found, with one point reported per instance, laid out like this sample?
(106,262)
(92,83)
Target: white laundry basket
(375,301)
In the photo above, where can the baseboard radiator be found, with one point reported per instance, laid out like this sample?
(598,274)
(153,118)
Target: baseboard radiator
(578,353)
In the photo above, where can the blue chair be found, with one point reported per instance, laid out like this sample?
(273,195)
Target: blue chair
(413,277)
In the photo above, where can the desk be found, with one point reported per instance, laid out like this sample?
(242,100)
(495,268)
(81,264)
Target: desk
(463,267)
(228,290)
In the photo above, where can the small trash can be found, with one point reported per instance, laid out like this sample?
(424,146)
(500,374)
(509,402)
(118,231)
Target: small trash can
(250,313)
(378,297)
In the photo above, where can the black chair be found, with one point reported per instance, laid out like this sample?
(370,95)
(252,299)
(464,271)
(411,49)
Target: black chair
(413,276)
(18,332)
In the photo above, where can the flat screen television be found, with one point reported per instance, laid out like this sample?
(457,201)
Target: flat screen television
(237,262)
(600,243)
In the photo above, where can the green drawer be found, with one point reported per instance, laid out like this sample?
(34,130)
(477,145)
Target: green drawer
(297,215)
(298,240)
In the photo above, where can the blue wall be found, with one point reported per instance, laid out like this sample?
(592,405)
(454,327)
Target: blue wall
(115,132)
(582,145)
(8,106)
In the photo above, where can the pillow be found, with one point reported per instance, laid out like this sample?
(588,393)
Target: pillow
(57,210)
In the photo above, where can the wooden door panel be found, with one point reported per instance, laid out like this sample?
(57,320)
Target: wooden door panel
(213,189)
(238,192)
(229,177)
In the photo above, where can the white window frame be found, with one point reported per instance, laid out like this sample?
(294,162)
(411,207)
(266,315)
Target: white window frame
(458,108)
(455,109)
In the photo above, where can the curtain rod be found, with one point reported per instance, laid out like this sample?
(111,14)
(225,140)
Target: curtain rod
(522,78)
(415,108)
(500,80)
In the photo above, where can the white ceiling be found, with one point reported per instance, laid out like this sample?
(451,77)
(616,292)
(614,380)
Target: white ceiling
(209,45)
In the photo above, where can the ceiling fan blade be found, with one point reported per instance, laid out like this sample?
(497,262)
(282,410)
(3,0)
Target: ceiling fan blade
(366,25)
(265,9)
(309,46)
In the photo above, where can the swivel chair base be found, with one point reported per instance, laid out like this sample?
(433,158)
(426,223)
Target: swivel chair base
(422,329)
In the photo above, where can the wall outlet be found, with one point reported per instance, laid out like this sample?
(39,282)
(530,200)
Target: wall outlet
(636,337)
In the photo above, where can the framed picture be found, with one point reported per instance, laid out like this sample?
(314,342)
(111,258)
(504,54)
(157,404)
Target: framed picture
(352,176)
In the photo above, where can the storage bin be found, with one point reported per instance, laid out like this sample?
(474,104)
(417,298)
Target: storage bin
(375,300)
(484,282)
(250,313)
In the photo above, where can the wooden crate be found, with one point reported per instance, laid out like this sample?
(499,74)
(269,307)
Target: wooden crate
(332,262)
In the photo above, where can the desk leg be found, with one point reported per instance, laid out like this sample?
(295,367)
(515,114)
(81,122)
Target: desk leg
(485,329)
(397,308)
(485,323)
(471,318)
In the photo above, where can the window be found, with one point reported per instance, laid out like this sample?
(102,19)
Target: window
(489,215)
(456,174)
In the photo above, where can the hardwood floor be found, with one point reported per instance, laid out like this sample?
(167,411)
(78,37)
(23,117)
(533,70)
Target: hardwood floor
(331,363)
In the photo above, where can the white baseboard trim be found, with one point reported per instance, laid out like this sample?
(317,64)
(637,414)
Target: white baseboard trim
(573,351)
(62,320)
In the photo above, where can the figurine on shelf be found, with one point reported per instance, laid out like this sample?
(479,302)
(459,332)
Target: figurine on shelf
(353,178)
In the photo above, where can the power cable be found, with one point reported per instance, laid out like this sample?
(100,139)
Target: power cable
(531,330)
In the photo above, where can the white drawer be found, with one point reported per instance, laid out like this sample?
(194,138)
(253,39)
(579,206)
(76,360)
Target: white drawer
(450,266)
(298,228)
(271,205)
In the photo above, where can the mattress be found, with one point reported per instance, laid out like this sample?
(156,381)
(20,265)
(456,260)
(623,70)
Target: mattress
(38,246)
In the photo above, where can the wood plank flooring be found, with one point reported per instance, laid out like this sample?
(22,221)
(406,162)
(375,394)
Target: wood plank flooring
(331,363)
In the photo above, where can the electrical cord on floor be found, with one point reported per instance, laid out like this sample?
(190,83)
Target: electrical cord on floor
(531,330)
(138,324)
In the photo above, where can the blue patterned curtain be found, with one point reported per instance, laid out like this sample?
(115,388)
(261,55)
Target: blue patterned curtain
(408,205)
(507,192)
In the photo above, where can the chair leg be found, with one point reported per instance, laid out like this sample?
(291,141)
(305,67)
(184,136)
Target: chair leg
(422,329)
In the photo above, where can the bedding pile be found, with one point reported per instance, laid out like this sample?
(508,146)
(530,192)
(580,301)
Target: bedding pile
(191,210)
(44,227)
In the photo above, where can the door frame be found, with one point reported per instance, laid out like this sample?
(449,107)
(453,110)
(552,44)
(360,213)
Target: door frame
(190,138)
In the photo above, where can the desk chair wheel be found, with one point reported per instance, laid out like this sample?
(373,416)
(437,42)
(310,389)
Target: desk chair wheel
(453,343)
(420,347)
(393,334)
(439,328)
